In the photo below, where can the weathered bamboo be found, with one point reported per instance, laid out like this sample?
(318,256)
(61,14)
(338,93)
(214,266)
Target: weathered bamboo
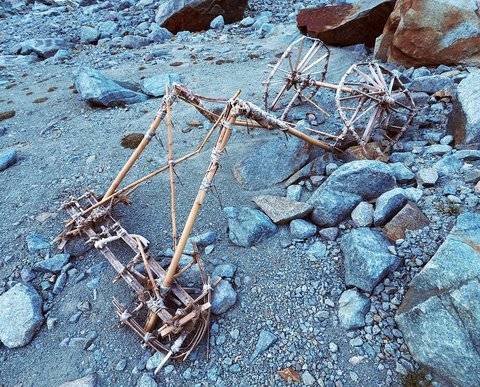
(171,170)
(140,148)
(218,150)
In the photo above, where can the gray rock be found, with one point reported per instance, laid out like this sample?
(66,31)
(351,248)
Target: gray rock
(440,314)
(402,173)
(21,315)
(86,381)
(438,149)
(427,177)
(367,258)
(146,381)
(53,264)
(345,188)
(192,276)
(155,86)
(294,192)
(388,204)
(352,308)
(206,239)
(329,233)
(308,379)
(134,41)
(43,48)
(218,23)
(316,167)
(154,360)
(248,226)
(60,283)
(467,154)
(448,165)
(62,56)
(317,250)
(99,90)
(89,35)
(271,163)
(281,210)
(431,84)
(107,29)
(37,242)
(265,340)
(7,159)
(225,270)
(362,215)
(413,194)
(302,229)
(247,22)
(464,121)
(159,34)
(223,297)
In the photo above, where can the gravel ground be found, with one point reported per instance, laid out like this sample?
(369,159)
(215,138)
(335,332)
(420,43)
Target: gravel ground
(65,146)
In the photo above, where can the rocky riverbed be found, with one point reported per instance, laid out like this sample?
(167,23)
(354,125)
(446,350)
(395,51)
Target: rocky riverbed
(336,270)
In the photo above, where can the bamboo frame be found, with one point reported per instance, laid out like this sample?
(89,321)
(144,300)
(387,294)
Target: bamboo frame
(184,329)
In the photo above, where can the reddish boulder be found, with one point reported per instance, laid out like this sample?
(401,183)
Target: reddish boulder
(431,32)
(346,24)
(196,15)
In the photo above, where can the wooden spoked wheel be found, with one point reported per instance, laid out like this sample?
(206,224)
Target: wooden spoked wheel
(372,100)
(293,76)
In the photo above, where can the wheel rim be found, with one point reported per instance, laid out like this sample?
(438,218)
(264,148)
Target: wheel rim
(291,78)
(372,101)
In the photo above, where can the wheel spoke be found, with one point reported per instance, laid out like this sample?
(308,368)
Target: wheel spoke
(299,55)
(367,78)
(377,114)
(362,114)
(366,85)
(314,63)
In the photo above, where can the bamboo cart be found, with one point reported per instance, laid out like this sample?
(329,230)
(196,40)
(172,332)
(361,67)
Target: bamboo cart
(167,316)
(369,98)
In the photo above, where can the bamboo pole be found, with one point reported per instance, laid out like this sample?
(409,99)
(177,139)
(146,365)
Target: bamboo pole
(152,318)
(219,148)
(172,172)
(332,86)
(138,151)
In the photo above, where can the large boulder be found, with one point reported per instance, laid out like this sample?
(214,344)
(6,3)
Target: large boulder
(44,48)
(346,24)
(98,90)
(21,315)
(367,258)
(196,15)
(346,187)
(440,313)
(464,120)
(272,163)
(431,32)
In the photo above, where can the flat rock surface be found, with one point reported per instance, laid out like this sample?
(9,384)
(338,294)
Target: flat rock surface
(280,209)
(440,316)
(98,90)
(346,24)
(271,163)
(409,217)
